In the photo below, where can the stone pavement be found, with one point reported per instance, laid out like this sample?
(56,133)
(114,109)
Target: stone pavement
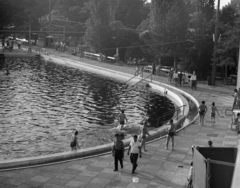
(158,168)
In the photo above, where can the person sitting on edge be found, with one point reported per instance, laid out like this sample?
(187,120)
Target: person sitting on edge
(171,132)
(122,118)
(74,142)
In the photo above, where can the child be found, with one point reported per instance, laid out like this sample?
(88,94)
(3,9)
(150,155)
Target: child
(213,113)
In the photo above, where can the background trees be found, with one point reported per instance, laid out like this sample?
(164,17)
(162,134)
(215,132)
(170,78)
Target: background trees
(168,30)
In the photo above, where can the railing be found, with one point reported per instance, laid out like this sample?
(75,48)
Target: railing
(178,110)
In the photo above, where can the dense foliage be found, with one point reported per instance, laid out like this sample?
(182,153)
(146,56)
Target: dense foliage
(170,31)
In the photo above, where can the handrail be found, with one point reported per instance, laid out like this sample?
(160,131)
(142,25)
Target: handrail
(133,76)
(169,112)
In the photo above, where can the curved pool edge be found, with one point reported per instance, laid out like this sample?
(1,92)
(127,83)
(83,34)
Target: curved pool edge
(89,152)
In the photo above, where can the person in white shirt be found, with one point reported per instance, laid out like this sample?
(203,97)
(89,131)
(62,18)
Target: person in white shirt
(175,77)
(190,176)
(194,80)
(135,149)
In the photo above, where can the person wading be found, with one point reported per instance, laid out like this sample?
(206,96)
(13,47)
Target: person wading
(118,152)
(74,142)
(134,149)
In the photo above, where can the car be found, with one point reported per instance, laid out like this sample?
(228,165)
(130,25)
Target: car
(148,68)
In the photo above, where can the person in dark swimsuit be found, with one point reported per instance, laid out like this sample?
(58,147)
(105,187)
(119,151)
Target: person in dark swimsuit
(171,132)
(202,112)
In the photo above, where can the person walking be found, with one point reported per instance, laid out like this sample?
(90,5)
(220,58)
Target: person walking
(194,81)
(135,150)
(122,117)
(202,111)
(213,113)
(144,134)
(118,152)
(74,142)
(170,134)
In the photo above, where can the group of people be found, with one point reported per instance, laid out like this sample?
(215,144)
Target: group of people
(136,61)
(203,110)
(8,43)
(183,78)
(61,46)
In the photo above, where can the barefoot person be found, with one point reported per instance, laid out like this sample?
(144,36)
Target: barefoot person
(213,113)
(135,149)
(202,112)
(74,142)
(171,132)
(118,151)
(144,134)
(122,117)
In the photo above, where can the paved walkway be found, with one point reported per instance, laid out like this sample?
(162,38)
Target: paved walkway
(158,168)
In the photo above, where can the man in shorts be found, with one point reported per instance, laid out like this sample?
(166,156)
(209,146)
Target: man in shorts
(122,117)
(171,132)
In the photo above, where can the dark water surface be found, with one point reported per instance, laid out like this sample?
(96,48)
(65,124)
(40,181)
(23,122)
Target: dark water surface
(41,103)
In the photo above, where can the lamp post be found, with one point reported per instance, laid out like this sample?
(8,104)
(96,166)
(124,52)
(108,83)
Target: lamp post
(215,45)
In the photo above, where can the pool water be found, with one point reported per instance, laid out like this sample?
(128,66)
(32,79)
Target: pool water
(41,103)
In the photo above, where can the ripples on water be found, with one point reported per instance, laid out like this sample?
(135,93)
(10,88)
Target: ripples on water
(41,103)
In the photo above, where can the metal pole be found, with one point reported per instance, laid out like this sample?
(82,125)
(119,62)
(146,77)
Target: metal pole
(238,72)
(215,46)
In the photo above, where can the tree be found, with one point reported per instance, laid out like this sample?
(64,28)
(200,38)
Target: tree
(168,28)
(99,32)
(132,12)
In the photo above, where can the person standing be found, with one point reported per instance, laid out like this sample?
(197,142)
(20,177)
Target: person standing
(118,152)
(180,75)
(213,113)
(190,176)
(235,95)
(202,111)
(170,75)
(175,77)
(74,142)
(194,80)
(135,150)
(122,118)
(210,144)
(153,68)
(170,134)
(144,134)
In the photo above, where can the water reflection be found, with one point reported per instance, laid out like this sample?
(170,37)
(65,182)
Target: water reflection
(41,103)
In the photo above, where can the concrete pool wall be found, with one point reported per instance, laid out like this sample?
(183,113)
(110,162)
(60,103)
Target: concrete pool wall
(101,149)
